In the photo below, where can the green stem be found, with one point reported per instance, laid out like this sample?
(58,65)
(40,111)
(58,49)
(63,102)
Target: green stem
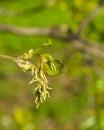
(43,46)
(8,58)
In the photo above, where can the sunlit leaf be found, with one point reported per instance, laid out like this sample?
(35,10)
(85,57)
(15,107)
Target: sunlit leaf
(47,58)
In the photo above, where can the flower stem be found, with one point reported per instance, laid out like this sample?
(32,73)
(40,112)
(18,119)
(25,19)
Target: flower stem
(9,58)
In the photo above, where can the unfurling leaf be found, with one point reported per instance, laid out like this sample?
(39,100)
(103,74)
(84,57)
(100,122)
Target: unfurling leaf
(56,69)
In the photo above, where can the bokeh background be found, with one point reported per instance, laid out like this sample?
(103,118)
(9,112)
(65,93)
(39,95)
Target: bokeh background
(77,98)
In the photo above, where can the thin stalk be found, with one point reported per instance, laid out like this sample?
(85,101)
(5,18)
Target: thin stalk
(9,58)
(43,46)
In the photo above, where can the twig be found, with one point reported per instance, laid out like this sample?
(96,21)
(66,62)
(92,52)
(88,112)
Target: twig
(88,19)
(91,63)
(9,58)
(50,31)
(32,30)
(25,31)
(98,70)
(92,50)
(56,32)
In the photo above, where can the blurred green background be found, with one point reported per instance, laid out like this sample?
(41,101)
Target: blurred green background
(77,98)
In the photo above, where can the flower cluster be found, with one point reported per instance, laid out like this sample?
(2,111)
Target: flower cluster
(44,64)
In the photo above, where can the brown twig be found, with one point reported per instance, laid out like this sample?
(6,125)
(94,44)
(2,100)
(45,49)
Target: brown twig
(32,30)
(75,41)
(50,31)
(25,31)
(89,18)
(89,49)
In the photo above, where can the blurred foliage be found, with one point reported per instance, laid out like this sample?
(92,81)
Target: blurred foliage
(72,105)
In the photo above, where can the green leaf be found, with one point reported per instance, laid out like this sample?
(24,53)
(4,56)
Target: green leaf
(47,58)
(53,72)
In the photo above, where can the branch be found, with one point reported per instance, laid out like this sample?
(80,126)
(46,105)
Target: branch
(88,19)
(91,43)
(89,49)
(25,31)
(32,30)
(92,64)
(45,31)
(98,70)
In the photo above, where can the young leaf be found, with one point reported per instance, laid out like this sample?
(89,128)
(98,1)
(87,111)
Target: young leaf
(47,58)
(57,70)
